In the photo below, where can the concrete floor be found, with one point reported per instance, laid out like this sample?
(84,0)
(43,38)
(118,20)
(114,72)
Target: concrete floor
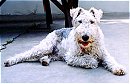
(116,39)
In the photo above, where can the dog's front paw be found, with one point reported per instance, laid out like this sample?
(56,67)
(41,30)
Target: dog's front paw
(94,65)
(91,65)
(119,71)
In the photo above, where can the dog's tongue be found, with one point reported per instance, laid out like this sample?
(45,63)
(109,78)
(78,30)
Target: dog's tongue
(85,43)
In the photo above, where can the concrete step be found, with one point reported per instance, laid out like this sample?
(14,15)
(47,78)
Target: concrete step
(27,18)
(23,26)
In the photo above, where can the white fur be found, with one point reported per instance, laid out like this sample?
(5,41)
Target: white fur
(66,44)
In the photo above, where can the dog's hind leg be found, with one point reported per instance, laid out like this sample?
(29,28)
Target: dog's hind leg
(45,60)
(44,48)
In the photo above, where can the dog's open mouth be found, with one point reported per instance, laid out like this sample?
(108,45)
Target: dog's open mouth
(84,43)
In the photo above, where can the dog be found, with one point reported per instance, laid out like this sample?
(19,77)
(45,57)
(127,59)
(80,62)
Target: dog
(81,46)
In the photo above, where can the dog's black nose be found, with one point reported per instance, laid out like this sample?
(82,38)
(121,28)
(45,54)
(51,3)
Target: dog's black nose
(85,37)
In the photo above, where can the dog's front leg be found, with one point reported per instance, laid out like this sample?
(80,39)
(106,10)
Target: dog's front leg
(111,65)
(85,61)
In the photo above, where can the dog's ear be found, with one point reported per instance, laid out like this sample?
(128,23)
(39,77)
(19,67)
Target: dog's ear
(75,12)
(96,13)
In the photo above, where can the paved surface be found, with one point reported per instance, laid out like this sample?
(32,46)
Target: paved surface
(116,39)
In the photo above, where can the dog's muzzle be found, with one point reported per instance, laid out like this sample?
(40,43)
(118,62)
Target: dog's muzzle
(85,40)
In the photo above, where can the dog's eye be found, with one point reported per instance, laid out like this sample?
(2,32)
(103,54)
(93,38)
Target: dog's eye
(91,21)
(80,21)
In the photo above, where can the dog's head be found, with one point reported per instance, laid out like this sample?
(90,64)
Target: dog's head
(86,26)
(80,15)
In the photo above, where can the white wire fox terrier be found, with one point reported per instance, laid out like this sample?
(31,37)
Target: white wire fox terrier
(82,45)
